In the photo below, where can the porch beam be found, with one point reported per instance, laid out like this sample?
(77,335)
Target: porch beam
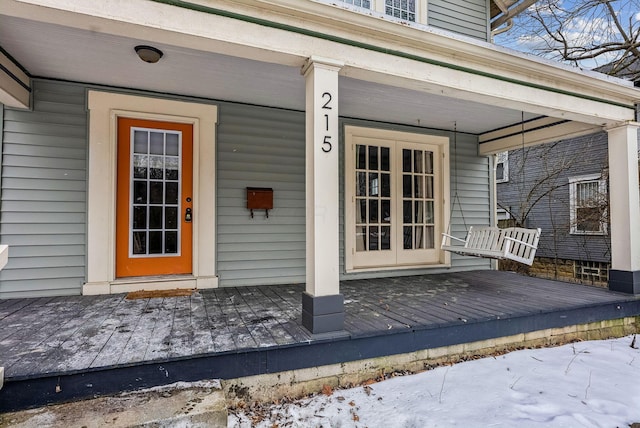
(537,131)
(373,50)
(624,208)
(15,83)
(322,303)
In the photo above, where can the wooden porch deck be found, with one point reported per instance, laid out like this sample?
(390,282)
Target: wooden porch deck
(86,346)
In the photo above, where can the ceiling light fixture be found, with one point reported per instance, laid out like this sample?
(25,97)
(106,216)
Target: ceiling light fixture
(149,53)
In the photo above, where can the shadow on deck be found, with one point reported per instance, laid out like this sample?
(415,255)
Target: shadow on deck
(65,348)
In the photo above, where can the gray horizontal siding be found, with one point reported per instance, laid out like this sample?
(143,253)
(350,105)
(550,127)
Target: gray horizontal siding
(556,163)
(468,17)
(43,211)
(260,147)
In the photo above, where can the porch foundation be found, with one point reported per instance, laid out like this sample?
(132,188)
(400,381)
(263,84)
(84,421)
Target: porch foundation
(323,314)
(624,281)
(302,382)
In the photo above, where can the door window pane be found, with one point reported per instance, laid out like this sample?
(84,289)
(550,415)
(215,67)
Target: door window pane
(373,238)
(408,237)
(140,166)
(139,217)
(385,159)
(406,186)
(155,192)
(156,143)
(172,144)
(385,238)
(374,184)
(417,167)
(373,158)
(156,195)
(386,211)
(140,139)
(139,192)
(406,160)
(155,243)
(361,210)
(385,188)
(155,217)
(361,184)
(373,211)
(171,218)
(406,212)
(361,238)
(171,168)
(171,242)
(361,157)
(139,242)
(419,237)
(156,164)
(171,193)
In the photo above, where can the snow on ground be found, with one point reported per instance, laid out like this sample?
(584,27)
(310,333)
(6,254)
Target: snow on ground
(584,384)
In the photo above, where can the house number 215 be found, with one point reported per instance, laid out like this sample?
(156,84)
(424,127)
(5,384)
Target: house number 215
(326,143)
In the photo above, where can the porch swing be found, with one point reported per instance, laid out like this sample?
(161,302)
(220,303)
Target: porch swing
(512,243)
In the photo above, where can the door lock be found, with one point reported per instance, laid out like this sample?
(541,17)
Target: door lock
(187,215)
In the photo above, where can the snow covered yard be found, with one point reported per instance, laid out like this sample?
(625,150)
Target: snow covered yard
(584,384)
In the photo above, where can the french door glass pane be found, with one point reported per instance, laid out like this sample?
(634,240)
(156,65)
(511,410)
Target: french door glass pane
(417,199)
(373,198)
(155,192)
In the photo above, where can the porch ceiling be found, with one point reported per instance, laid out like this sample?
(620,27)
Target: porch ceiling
(59,52)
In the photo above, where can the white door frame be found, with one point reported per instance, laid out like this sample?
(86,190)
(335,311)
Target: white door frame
(353,132)
(104,110)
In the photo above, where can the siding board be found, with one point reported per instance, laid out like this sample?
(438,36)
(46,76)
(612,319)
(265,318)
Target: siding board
(468,17)
(43,215)
(260,147)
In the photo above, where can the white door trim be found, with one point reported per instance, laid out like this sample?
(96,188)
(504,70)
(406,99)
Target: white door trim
(104,109)
(392,138)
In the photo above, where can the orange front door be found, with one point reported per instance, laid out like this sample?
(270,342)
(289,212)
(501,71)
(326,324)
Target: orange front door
(154,210)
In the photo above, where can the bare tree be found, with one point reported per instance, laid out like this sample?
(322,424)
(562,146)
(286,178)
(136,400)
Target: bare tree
(585,33)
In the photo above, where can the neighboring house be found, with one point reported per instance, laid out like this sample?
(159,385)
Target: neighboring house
(563,189)
(134,135)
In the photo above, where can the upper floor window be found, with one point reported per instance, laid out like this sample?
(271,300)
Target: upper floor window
(588,205)
(362,3)
(502,167)
(403,9)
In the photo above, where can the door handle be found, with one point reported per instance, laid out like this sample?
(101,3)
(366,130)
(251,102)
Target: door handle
(187,215)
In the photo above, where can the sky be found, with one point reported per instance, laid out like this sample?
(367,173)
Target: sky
(590,27)
(584,384)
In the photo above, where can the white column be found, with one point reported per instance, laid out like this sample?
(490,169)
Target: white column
(322,303)
(624,208)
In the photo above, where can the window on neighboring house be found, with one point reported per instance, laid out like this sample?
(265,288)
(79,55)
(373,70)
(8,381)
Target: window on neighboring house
(403,9)
(502,167)
(361,3)
(588,205)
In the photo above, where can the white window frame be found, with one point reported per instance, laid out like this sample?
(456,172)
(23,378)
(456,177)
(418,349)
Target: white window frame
(352,3)
(378,9)
(502,158)
(573,203)
(354,134)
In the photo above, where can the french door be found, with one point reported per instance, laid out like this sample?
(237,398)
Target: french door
(396,197)
(154,206)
